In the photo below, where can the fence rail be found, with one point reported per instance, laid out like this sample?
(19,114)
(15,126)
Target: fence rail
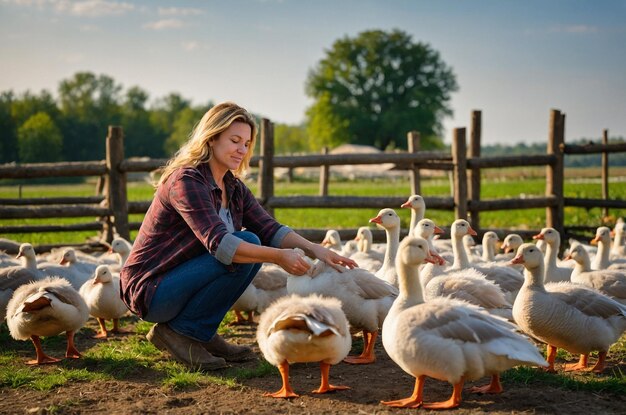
(464,162)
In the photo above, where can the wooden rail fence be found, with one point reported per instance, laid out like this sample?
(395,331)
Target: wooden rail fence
(112,208)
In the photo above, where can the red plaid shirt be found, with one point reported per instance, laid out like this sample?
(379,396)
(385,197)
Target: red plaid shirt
(183,222)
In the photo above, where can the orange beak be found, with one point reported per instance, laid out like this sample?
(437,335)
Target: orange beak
(594,241)
(538,236)
(472,231)
(519,259)
(406,204)
(438,230)
(377,219)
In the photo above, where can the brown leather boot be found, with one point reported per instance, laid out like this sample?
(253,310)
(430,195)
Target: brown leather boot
(183,349)
(231,352)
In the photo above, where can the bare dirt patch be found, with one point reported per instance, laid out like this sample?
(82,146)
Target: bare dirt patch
(141,391)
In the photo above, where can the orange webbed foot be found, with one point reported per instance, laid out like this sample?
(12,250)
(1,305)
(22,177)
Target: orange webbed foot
(282,393)
(43,360)
(330,388)
(404,403)
(359,360)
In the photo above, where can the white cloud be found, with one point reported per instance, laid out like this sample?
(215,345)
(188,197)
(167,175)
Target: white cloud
(89,28)
(83,8)
(574,29)
(164,24)
(190,46)
(179,11)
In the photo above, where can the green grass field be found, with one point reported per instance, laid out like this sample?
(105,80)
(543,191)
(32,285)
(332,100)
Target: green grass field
(579,183)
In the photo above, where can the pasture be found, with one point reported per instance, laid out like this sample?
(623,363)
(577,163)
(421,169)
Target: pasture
(127,374)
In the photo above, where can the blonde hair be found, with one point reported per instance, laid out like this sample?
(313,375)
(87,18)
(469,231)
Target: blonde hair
(197,150)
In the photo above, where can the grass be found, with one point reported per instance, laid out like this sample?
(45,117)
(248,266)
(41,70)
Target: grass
(496,184)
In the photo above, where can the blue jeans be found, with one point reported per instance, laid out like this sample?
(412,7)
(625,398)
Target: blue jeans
(194,297)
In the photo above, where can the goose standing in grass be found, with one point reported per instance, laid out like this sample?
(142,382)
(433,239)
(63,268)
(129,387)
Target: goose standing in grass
(389,220)
(418,209)
(304,329)
(553,272)
(46,308)
(564,315)
(102,295)
(447,339)
(76,278)
(13,277)
(365,299)
(608,282)
(602,259)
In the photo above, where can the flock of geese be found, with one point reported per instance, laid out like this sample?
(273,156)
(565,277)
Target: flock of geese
(447,309)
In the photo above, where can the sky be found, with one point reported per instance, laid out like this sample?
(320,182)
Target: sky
(514,60)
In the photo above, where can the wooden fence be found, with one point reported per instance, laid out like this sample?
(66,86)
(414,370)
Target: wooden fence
(465,162)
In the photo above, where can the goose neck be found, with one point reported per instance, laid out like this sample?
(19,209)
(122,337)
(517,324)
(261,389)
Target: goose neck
(534,277)
(461,260)
(393,240)
(409,287)
(601,260)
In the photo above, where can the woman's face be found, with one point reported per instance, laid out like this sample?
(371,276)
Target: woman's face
(231,146)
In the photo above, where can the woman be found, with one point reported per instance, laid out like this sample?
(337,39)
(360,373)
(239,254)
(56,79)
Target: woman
(191,260)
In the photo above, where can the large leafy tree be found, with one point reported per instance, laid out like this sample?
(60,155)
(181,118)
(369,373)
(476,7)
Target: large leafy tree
(141,138)
(39,140)
(374,88)
(8,130)
(89,104)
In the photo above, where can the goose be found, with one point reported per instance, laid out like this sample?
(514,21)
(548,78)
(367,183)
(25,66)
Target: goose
(332,241)
(490,240)
(365,256)
(510,244)
(365,299)
(506,278)
(102,295)
(269,284)
(553,273)
(389,220)
(602,259)
(418,208)
(618,249)
(565,315)
(10,279)
(304,329)
(608,282)
(70,260)
(427,229)
(447,339)
(469,245)
(46,308)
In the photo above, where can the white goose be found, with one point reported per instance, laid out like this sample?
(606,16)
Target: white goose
(608,282)
(11,278)
(304,329)
(76,278)
(46,308)
(427,229)
(418,209)
(447,339)
(618,249)
(269,284)
(332,241)
(365,256)
(365,299)
(564,315)
(602,259)
(389,220)
(70,260)
(506,278)
(102,295)
(510,244)
(553,273)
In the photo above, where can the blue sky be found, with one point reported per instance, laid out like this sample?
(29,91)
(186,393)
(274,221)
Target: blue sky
(514,60)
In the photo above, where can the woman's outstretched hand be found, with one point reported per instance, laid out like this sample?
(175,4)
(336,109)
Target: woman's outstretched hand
(293,262)
(338,262)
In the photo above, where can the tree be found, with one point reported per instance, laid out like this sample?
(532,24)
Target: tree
(291,139)
(89,104)
(183,125)
(378,86)
(39,140)
(8,133)
(140,136)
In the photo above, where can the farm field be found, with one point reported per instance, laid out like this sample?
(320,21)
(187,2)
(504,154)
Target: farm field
(127,375)
(501,183)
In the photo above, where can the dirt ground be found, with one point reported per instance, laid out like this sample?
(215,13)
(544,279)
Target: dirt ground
(142,392)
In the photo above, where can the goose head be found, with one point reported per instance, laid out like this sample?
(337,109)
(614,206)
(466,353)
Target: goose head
(603,234)
(426,228)
(68,257)
(460,228)
(578,253)
(511,243)
(528,255)
(550,236)
(102,275)
(332,239)
(413,251)
(415,202)
(120,246)
(387,218)
(490,238)
(26,251)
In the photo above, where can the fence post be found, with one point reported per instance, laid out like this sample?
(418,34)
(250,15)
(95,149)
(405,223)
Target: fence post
(459,161)
(605,172)
(266,164)
(413,144)
(116,181)
(324,175)
(555,173)
(474,172)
